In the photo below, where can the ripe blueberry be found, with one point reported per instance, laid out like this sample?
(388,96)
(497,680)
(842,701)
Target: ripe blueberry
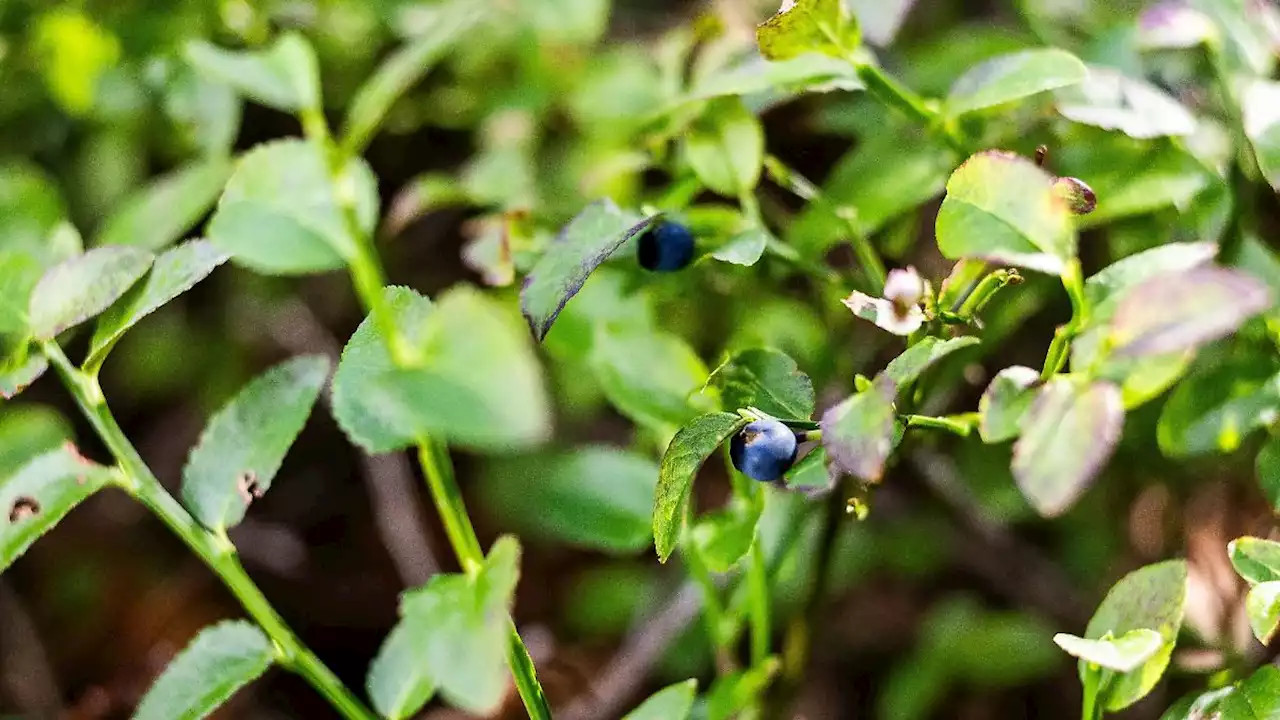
(763,450)
(665,247)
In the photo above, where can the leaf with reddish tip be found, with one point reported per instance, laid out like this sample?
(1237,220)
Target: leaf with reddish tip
(1076,193)
(1173,312)
(582,246)
(859,432)
(1067,436)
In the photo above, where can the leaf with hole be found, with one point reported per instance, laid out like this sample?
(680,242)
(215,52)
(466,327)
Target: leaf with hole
(162,211)
(245,442)
(766,379)
(40,493)
(1068,434)
(174,272)
(281,214)
(582,246)
(688,450)
(1002,207)
(1011,77)
(80,288)
(284,76)
(220,660)
(1150,598)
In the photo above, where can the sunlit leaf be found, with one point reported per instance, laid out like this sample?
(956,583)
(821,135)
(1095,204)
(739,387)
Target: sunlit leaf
(1122,654)
(1012,77)
(1263,606)
(1111,100)
(1257,560)
(802,26)
(768,380)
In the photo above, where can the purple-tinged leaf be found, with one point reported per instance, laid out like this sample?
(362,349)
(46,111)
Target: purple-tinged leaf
(582,246)
(1004,403)
(1174,24)
(1076,193)
(859,433)
(1177,311)
(1067,436)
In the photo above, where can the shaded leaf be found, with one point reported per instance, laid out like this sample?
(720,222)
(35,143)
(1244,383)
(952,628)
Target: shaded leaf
(730,694)
(220,660)
(802,26)
(1173,312)
(162,211)
(174,272)
(917,359)
(1004,403)
(398,683)
(725,147)
(810,474)
(478,383)
(245,442)
(745,248)
(1001,207)
(1268,469)
(402,70)
(285,76)
(40,493)
(1219,404)
(28,430)
(280,213)
(1122,654)
(650,376)
(688,450)
(859,433)
(1257,698)
(1263,606)
(1068,435)
(1255,559)
(80,288)
(1012,77)
(1111,100)
(1152,598)
(768,380)
(586,242)
(594,496)
(670,703)
(722,537)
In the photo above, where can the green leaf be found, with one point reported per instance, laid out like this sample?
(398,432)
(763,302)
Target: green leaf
(161,212)
(688,450)
(915,360)
(670,703)
(74,54)
(803,26)
(1260,106)
(1153,598)
(810,473)
(725,147)
(19,273)
(722,537)
(755,76)
(1113,101)
(1255,559)
(1219,404)
(859,433)
(1068,435)
(19,370)
(1104,290)
(174,272)
(1005,402)
(453,633)
(1263,607)
(220,660)
(402,70)
(28,430)
(478,383)
(1257,698)
(1002,207)
(730,694)
(1180,311)
(745,248)
(594,496)
(586,242)
(285,76)
(765,379)
(1012,77)
(244,444)
(80,288)
(40,493)
(1268,470)
(651,377)
(31,207)
(1122,654)
(280,213)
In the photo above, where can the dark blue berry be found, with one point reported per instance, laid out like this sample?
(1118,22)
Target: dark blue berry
(665,247)
(763,450)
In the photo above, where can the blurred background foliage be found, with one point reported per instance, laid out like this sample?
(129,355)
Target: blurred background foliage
(941,604)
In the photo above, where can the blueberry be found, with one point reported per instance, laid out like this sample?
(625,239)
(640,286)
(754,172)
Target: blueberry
(763,450)
(665,247)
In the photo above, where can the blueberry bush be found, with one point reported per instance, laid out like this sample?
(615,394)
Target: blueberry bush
(753,349)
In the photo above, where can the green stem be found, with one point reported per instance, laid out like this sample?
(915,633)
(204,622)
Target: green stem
(987,289)
(961,427)
(214,549)
(713,613)
(896,96)
(1089,709)
(433,455)
(761,628)
(1056,358)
